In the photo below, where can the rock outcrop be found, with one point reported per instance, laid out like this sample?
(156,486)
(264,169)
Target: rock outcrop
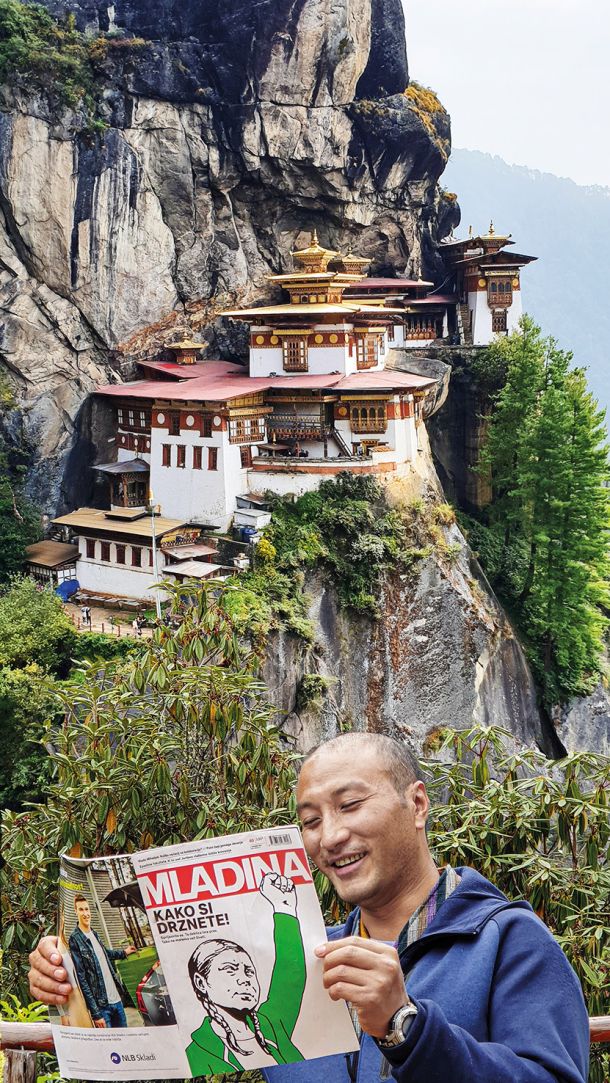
(443,653)
(231,129)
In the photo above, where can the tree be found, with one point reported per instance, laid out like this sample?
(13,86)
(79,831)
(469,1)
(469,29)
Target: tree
(35,629)
(550,514)
(172,744)
(25,700)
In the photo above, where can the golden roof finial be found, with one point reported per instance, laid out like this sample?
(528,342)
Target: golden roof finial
(491,229)
(314,237)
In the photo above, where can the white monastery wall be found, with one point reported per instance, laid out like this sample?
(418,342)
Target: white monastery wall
(482,332)
(515,312)
(108,577)
(203,496)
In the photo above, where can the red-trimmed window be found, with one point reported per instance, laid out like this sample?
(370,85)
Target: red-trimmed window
(212,458)
(105,550)
(90,548)
(174,424)
(181,452)
(120,554)
(197,457)
(245,454)
(136,557)
(167,455)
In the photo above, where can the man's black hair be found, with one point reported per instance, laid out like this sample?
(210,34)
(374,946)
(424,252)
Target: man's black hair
(398,760)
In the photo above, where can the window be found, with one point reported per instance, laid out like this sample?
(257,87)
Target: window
(206,426)
(367,351)
(167,455)
(498,322)
(142,419)
(245,454)
(294,351)
(131,419)
(119,416)
(120,554)
(246,430)
(212,458)
(181,451)
(136,557)
(105,550)
(197,455)
(90,548)
(369,417)
(174,424)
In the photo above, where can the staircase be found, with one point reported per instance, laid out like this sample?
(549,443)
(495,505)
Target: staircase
(343,446)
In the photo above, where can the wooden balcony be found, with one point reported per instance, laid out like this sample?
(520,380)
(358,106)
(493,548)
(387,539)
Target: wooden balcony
(297,427)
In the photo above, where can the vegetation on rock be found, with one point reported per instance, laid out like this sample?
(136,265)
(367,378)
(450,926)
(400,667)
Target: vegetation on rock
(51,55)
(347,530)
(19,521)
(544,541)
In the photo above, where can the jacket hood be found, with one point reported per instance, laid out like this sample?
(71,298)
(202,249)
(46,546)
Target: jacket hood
(473,903)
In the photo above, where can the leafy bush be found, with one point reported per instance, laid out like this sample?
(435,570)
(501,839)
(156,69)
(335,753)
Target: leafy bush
(35,629)
(25,702)
(540,830)
(174,743)
(92,645)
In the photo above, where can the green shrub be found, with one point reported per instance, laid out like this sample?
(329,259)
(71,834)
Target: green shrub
(35,629)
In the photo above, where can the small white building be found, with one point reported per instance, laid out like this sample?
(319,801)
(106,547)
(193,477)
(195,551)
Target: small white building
(487,284)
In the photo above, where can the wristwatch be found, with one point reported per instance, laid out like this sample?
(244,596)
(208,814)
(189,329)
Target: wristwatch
(399,1026)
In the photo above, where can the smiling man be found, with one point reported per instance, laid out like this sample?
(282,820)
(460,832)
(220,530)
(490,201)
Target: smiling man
(447,980)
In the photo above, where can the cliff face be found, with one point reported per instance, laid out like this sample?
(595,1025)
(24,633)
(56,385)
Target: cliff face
(442,654)
(231,130)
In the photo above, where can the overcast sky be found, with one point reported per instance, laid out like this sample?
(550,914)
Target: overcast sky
(528,79)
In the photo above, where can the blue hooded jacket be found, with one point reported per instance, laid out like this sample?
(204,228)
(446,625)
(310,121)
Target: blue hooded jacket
(497,1002)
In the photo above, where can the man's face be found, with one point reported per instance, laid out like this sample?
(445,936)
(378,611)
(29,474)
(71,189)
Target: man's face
(232,982)
(356,828)
(83,914)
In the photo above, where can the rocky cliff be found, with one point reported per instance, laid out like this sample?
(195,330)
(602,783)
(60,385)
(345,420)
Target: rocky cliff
(230,130)
(443,653)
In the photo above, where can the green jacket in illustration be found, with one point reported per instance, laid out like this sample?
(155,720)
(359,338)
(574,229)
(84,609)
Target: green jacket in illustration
(208,1055)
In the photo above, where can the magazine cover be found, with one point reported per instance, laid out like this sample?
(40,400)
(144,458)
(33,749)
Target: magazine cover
(119,1020)
(193,960)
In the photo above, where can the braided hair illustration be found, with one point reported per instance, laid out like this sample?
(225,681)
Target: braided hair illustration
(199,966)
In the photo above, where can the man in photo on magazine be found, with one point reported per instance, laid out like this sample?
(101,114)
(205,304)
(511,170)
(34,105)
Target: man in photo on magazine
(95,970)
(447,979)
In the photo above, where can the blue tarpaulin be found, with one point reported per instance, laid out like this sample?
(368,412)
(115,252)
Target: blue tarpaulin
(67,589)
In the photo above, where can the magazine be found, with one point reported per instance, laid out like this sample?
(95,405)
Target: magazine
(196,959)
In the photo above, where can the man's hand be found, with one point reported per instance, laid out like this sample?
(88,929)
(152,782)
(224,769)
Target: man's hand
(48,979)
(280,892)
(101,1023)
(130,950)
(368,975)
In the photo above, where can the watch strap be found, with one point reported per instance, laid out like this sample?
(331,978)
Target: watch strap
(399,1026)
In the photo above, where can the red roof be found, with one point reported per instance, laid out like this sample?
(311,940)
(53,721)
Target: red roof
(434,299)
(382,283)
(191,372)
(387,379)
(219,388)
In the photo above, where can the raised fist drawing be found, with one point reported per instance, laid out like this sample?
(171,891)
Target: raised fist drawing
(280,892)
